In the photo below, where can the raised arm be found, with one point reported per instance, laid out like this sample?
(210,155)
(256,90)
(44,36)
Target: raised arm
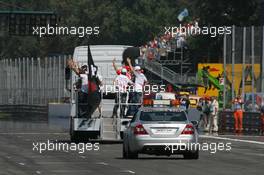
(74,66)
(114,64)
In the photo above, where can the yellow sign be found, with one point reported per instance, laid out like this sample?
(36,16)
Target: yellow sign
(215,76)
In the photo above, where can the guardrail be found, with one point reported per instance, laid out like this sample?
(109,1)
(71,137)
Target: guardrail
(24,109)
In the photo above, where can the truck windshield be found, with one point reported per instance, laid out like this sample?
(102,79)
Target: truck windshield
(163,116)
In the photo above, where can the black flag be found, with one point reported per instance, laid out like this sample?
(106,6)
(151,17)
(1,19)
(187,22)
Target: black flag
(94,97)
(91,66)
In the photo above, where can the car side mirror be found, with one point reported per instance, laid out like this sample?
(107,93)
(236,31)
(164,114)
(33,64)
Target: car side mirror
(125,123)
(67,73)
(195,123)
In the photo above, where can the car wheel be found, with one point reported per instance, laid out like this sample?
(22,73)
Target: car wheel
(131,155)
(124,152)
(190,155)
(73,134)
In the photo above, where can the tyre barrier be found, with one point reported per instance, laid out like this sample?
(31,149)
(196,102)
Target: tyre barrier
(252,123)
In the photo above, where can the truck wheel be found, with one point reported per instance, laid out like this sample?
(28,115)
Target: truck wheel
(73,134)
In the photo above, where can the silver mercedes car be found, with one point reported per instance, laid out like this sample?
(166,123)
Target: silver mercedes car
(160,131)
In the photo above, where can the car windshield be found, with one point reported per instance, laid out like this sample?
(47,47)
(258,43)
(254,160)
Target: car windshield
(163,116)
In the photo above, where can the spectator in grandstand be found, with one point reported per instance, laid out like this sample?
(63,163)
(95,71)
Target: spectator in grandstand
(180,40)
(238,114)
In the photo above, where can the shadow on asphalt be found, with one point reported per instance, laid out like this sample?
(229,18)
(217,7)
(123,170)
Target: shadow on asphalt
(91,141)
(153,158)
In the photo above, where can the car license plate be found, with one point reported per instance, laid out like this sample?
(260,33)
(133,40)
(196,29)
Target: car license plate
(164,131)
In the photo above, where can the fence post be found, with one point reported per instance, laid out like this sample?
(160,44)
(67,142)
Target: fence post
(233,62)
(28,81)
(54,79)
(64,81)
(24,81)
(5,82)
(2,79)
(224,93)
(39,81)
(243,64)
(32,80)
(59,79)
(45,80)
(253,62)
(262,63)
(19,81)
(11,81)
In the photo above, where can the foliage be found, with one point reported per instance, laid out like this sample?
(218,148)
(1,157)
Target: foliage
(129,22)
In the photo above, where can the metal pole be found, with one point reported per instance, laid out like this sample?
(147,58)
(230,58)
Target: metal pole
(262,65)
(32,81)
(64,81)
(24,80)
(50,82)
(181,62)
(2,79)
(16,81)
(59,80)
(39,82)
(45,80)
(2,82)
(224,95)
(233,61)
(54,79)
(19,81)
(11,81)
(6,73)
(243,63)
(5,78)
(28,78)
(253,63)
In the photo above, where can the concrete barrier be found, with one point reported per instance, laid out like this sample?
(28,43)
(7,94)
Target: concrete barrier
(59,115)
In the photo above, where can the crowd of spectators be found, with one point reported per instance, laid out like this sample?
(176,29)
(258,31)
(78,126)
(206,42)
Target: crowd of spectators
(160,45)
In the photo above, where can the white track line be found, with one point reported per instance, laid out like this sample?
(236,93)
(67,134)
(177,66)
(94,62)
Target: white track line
(229,139)
(102,163)
(128,171)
